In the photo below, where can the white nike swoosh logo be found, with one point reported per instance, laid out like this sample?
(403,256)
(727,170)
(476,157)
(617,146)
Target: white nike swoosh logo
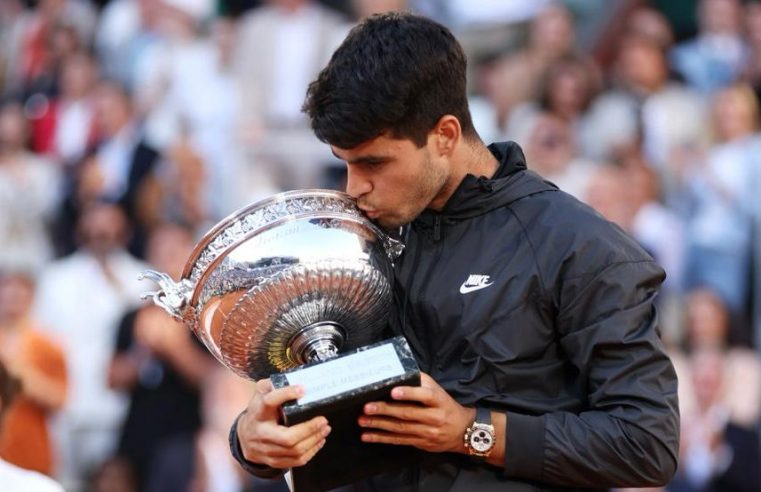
(464,289)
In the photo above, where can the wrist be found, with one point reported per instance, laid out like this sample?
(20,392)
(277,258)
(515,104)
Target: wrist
(480,437)
(467,417)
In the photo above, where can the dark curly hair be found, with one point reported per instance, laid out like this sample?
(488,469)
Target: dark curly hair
(395,73)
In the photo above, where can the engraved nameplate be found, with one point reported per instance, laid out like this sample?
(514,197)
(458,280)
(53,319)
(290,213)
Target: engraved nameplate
(347,373)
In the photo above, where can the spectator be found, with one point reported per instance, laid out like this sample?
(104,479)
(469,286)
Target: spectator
(655,226)
(514,79)
(708,324)
(645,107)
(566,91)
(81,299)
(13,478)
(39,363)
(160,364)
(41,38)
(553,153)
(29,193)
(716,56)
(280,49)
(716,455)
(66,129)
(121,166)
(718,191)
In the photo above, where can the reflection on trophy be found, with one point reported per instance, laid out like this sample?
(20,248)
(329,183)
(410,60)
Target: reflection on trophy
(298,288)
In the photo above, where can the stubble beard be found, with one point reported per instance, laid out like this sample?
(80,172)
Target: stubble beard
(431,183)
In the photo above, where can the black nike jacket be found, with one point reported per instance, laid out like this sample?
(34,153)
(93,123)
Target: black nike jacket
(521,299)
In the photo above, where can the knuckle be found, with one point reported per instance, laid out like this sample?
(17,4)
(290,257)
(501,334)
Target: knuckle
(289,440)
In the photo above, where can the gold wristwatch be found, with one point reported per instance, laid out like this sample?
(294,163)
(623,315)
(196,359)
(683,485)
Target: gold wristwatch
(480,436)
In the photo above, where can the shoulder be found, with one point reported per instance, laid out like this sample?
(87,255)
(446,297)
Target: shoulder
(570,239)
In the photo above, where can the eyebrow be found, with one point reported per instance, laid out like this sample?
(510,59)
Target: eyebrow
(365,159)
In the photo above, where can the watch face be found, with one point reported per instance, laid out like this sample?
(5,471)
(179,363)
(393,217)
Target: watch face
(481,440)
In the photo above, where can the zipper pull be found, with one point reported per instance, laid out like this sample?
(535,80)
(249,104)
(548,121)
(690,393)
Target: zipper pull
(437,228)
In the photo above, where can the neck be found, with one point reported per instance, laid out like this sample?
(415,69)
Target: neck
(471,157)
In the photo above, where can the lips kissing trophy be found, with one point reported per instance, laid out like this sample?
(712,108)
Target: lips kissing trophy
(298,288)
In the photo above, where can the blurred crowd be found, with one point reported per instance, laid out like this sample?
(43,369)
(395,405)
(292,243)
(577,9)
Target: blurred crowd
(129,127)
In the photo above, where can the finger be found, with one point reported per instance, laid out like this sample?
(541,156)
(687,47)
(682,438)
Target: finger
(396,439)
(396,426)
(290,437)
(422,394)
(288,462)
(276,397)
(264,386)
(402,411)
(298,449)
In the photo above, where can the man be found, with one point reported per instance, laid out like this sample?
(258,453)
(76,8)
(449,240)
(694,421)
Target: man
(531,316)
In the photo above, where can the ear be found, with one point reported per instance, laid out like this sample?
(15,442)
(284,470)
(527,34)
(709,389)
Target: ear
(446,135)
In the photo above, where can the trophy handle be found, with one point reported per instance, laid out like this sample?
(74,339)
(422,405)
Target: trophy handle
(392,246)
(171,296)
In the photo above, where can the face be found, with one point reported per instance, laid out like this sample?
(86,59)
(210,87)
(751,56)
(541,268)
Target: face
(393,180)
(16,296)
(734,114)
(103,229)
(13,127)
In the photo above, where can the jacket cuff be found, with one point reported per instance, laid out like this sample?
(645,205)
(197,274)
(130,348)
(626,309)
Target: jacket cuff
(256,469)
(524,446)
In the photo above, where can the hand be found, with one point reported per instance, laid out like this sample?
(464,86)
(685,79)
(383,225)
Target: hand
(160,333)
(263,440)
(425,417)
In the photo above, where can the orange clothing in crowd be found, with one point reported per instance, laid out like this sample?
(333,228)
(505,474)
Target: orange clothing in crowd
(24,440)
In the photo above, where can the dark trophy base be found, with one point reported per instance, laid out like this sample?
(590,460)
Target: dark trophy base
(343,385)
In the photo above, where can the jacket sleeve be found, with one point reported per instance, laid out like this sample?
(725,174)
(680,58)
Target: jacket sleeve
(628,433)
(261,471)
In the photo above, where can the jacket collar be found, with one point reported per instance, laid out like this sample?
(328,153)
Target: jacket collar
(477,195)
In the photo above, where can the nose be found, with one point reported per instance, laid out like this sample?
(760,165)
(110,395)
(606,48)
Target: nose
(357,184)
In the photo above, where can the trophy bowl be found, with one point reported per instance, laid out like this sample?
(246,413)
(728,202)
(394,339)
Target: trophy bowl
(293,279)
(298,288)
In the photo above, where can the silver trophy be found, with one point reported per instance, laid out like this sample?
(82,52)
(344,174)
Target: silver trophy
(298,288)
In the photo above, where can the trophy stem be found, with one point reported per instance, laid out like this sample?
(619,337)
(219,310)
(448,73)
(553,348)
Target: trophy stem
(317,342)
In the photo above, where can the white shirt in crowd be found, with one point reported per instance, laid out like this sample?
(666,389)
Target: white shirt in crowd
(15,479)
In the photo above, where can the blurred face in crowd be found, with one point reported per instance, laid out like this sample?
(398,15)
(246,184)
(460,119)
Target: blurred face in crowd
(707,377)
(113,109)
(650,23)
(707,319)
(78,75)
(103,228)
(642,64)
(16,296)
(569,88)
(720,16)
(552,31)
(393,180)
(735,113)
(13,128)
(606,193)
(550,145)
